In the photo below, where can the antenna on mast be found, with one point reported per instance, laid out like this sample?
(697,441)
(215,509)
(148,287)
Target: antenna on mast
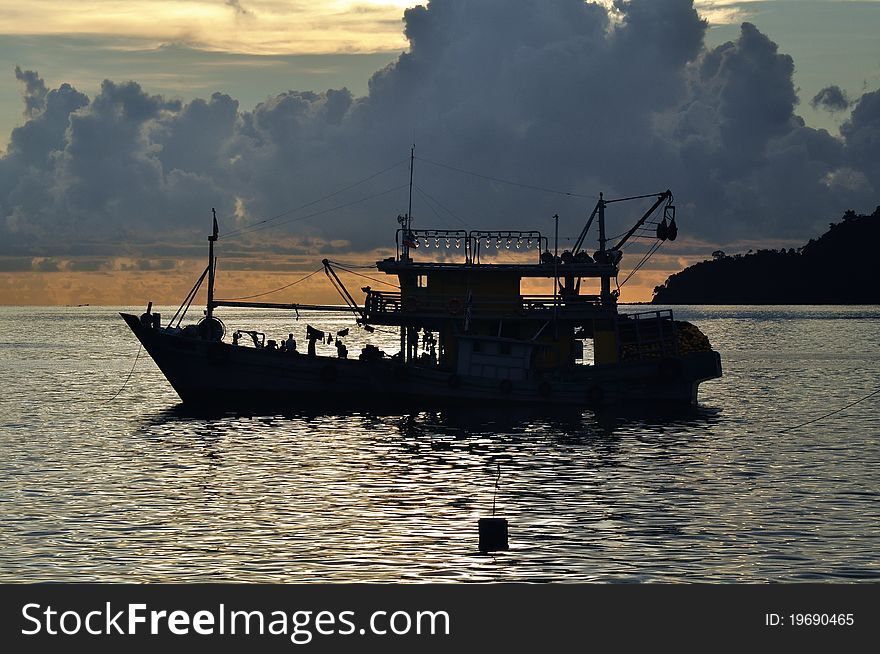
(412,157)
(211,266)
(405,220)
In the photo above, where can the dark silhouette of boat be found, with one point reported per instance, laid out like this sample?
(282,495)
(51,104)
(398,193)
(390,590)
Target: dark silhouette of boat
(468,335)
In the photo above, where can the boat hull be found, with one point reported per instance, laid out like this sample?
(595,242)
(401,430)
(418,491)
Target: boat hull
(221,374)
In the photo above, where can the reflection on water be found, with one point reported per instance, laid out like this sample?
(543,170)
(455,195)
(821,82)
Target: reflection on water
(143,489)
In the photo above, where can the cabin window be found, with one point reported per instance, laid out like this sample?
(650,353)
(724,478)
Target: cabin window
(478,346)
(422,281)
(504,348)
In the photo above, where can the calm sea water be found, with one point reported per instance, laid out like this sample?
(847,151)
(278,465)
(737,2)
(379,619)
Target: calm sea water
(138,489)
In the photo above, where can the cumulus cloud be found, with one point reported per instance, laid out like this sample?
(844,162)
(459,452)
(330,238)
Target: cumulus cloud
(831,98)
(862,134)
(34,91)
(556,93)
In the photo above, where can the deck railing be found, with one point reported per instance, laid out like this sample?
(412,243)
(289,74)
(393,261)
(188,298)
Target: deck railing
(470,245)
(382,303)
(647,335)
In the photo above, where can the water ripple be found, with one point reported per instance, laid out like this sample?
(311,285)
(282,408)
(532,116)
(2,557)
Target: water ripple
(144,490)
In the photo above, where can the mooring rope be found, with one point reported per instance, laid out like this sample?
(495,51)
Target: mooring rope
(495,493)
(130,372)
(831,413)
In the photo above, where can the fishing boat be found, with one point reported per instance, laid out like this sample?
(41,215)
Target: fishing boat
(468,335)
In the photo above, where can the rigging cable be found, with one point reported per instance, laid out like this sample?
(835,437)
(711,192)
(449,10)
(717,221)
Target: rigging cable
(372,279)
(428,196)
(323,211)
(340,288)
(301,279)
(247,228)
(831,413)
(441,205)
(430,206)
(653,249)
(507,181)
(188,300)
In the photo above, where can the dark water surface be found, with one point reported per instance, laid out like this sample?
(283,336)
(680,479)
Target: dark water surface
(140,490)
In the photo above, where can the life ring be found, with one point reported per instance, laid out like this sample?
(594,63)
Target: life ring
(410,304)
(505,386)
(328,374)
(454,306)
(454,381)
(595,395)
(545,389)
(211,330)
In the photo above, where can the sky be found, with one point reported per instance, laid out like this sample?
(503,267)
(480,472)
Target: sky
(123,123)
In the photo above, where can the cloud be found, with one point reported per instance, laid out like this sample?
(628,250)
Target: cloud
(862,136)
(559,94)
(831,98)
(239,9)
(264,27)
(34,95)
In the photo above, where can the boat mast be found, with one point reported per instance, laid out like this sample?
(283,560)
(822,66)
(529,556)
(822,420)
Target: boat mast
(403,328)
(211,263)
(412,156)
(556,274)
(606,280)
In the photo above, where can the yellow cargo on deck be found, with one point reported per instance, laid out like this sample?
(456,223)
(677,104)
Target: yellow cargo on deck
(605,346)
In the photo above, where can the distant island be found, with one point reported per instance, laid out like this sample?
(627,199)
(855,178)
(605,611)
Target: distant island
(840,267)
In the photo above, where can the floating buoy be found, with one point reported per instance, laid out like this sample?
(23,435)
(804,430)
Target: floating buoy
(493,531)
(493,534)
